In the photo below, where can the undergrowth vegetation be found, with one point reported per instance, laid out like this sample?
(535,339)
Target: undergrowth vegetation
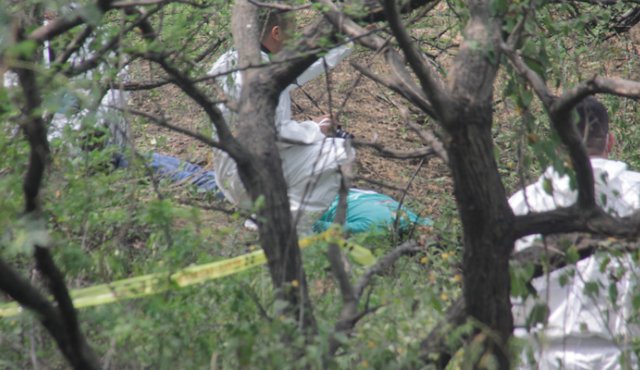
(105,224)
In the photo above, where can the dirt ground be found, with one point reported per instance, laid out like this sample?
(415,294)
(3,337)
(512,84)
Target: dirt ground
(370,113)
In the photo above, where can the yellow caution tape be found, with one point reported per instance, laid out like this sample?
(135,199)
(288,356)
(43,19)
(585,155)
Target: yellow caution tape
(145,285)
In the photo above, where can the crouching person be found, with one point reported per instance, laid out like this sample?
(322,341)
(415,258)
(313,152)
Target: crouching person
(310,158)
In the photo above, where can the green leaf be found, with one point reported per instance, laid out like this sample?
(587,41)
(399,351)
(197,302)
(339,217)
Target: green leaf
(539,315)
(604,263)
(635,302)
(613,293)
(547,186)
(24,49)
(498,7)
(520,277)
(591,288)
(564,279)
(259,204)
(572,255)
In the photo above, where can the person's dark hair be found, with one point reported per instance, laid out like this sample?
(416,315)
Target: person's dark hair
(593,124)
(269,18)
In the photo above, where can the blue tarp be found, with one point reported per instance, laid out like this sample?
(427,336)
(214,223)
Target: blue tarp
(366,210)
(178,170)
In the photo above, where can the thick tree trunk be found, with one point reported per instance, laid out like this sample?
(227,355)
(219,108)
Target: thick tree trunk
(487,219)
(488,227)
(260,166)
(262,176)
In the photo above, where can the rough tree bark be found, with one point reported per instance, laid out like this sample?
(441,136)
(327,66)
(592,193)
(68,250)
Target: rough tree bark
(487,224)
(260,166)
(463,107)
(487,219)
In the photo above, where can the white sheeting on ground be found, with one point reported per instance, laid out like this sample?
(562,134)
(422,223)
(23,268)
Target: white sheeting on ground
(584,330)
(310,160)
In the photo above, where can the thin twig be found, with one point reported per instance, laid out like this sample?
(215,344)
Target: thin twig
(383,263)
(379,183)
(431,85)
(162,122)
(404,194)
(278,6)
(396,154)
(428,137)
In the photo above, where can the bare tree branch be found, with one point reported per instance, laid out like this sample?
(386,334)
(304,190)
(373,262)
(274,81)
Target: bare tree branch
(578,219)
(74,46)
(518,31)
(350,315)
(376,12)
(78,351)
(338,267)
(562,121)
(383,263)
(431,84)
(560,113)
(345,25)
(595,85)
(396,154)
(141,22)
(64,23)
(428,137)
(402,82)
(55,28)
(146,85)
(415,96)
(226,139)
(36,134)
(279,6)
(213,46)
(162,122)
(435,347)
(62,323)
(29,297)
(135,3)
(535,81)
(396,222)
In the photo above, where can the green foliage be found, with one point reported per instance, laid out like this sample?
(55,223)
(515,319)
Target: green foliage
(107,225)
(520,278)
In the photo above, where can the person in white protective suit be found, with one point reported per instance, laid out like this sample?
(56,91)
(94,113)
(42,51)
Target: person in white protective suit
(107,114)
(71,107)
(310,159)
(587,328)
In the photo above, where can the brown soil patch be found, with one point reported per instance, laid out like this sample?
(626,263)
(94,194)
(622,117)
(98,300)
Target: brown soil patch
(370,112)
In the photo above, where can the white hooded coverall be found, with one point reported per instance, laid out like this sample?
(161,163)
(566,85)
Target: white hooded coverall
(584,331)
(310,160)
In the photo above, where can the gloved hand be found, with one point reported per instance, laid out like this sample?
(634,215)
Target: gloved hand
(327,127)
